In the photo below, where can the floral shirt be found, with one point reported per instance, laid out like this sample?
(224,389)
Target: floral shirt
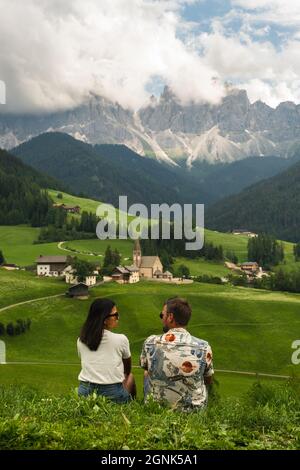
(177,364)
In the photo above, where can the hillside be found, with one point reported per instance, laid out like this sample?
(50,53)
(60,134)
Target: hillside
(262,321)
(105,172)
(232,178)
(21,197)
(271,206)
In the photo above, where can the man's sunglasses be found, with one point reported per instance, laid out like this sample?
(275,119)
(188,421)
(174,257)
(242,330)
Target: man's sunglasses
(114,315)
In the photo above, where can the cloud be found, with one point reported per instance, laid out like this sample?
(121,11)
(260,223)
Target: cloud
(53,54)
(283,12)
(268,73)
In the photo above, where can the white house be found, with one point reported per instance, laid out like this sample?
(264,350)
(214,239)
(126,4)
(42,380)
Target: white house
(52,266)
(71,278)
(126,274)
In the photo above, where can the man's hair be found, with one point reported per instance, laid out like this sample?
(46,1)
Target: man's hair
(180,308)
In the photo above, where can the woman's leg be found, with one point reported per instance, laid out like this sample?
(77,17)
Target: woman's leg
(129,384)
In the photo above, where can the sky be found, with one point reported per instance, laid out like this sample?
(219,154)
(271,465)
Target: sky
(55,53)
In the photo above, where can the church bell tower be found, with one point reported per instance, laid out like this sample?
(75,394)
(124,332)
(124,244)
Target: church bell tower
(137,254)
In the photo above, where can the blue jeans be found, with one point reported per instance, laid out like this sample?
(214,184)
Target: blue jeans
(115,392)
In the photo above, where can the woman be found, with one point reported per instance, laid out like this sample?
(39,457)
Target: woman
(105,356)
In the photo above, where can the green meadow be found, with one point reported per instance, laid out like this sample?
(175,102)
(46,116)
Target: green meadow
(248,329)
(17,244)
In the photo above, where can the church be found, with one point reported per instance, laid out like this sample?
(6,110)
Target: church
(143,267)
(149,266)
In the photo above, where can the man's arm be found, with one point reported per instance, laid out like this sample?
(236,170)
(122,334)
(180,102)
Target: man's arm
(209,371)
(143,358)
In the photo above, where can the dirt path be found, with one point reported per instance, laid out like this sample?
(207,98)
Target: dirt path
(60,247)
(30,301)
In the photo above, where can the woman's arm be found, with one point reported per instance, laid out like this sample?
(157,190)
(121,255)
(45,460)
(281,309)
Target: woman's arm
(127,366)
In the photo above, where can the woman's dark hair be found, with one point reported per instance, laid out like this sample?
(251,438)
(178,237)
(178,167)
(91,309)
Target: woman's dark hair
(92,330)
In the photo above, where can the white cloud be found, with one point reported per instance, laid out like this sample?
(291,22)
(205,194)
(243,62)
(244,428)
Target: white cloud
(266,73)
(54,53)
(271,93)
(283,12)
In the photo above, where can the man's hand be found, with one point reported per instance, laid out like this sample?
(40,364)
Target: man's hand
(208,380)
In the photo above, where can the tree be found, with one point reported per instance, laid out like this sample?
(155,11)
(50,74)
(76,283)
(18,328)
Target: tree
(232,256)
(183,271)
(265,250)
(82,269)
(10,329)
(108,257)
(296,250)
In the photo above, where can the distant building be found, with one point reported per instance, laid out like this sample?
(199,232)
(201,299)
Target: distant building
(126,274)
(167,275)
(147,265)
(242,231)
(251,266)
(71,209)
(80,290)
(51,265)
(10,266)
(71,278)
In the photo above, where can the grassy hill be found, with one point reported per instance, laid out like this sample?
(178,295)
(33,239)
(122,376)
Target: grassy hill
(16,242)
(20,286)
(246,328)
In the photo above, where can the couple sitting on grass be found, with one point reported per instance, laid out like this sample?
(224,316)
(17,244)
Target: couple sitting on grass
(177,366)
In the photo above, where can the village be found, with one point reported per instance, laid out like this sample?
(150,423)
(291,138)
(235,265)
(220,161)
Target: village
(148,268)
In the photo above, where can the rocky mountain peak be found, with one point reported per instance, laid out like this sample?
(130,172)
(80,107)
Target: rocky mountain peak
(169,131)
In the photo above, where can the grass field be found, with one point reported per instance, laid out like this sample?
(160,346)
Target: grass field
(60,379)
(96,248)
(249,330)
(16,242)
(267,417)
(20,286)
(200,266)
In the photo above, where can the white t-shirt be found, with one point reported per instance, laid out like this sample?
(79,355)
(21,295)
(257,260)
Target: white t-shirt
(104,366)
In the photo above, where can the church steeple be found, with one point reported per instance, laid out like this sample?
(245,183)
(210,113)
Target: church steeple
(137,253)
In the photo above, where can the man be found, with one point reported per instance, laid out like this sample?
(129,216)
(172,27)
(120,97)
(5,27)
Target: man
(178,366)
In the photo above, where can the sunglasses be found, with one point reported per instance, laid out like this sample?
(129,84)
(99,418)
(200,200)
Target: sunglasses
(114,315)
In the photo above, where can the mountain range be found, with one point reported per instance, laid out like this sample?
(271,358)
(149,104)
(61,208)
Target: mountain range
(104,172)
(173,133)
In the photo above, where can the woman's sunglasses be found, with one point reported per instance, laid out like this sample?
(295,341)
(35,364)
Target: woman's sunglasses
(114,315)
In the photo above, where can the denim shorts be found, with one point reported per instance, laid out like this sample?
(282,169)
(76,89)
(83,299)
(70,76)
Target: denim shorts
(115,392)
